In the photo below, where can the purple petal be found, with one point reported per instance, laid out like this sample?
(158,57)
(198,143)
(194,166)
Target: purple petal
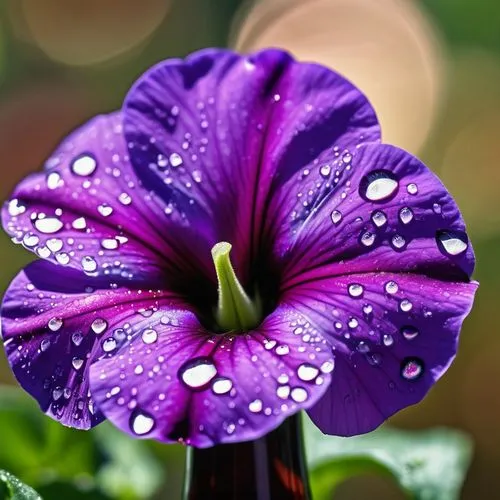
(387,212)
(393,336)
(177,382)
(88,211)
(217,134)
(54,326)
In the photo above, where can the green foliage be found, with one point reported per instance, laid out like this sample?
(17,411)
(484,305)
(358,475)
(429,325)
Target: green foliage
(13,489)
(427,465)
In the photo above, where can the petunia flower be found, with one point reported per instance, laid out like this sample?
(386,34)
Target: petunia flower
(232,246)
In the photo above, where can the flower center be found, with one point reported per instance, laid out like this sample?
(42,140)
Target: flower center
(235,310)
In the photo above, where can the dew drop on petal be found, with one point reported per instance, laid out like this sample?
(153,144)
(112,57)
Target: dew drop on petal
(379,218)
(79,223)
(54,244)
(30,240)
(84,165)
(98,326)
(89,264)
(299,394)
(282,350)
(105,210)
(197,373)
(77,338)
(109,244)
(409,332)
(109,344)
(391,287)
(141,423)
(406,215)
(327,366)
(15,208)
(412,188)
(255,406)
(378,185)
(53,180)
(325,170)
(48,225)
(412,368)
(222,385)
(367,239)
(62,258)
(149,336)
(405,305)
(452,242)
(307,372)
(55,324)
(355,290)
(388,339)
(77,363)
(398,241)
(125,199)
(336,216)
(175,160)
(283,391)
(44,345)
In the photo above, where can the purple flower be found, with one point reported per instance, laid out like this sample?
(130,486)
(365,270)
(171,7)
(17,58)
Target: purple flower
(351,260)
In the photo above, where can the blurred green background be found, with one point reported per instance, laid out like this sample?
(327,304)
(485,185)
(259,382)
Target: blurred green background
(432,70)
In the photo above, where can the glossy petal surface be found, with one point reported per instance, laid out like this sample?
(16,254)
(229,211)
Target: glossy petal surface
(387,212)
(393,336)
(55,325)
(175,381)
(218,134)
(88,211)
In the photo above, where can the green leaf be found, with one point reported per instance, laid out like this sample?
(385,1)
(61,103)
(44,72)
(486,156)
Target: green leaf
(13,489)
(427,465)
(131,471)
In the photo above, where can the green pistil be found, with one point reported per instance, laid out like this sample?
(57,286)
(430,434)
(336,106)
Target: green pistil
(235,310)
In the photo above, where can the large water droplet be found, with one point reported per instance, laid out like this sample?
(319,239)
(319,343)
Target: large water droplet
(355,290)
(336,216)
(387,339)
(391,287)
(412,188)
(255,406)
(54,244)
(149,336)
(79,223)
(77,363)
(109,344)
(409,332)
(141,423)
(398,241)
(105,210)
(379,218)
(84,165)
(328,366)
(197,373)
(48,225)
(307,372)
(378,185)
(406,215)
(30,240)
(412,368)
(452,242)
(367,239)
(44,345)
(55,324)
(99,325)
(405,305)
(53,180)
(16,208)
(175,160)
(89,264)
(299,394)
(222,385)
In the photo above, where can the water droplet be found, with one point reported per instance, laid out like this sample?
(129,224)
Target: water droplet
(412,188)
(307,372)
(387,339)
(84,165)
(299,394)
(436,207)
(412,368)
(325,170)
(363,347)
(99,325)
(125,199)
(77,338)
(109,344)
(452,242)
(175,160)
(149,336)
(378,185)
(44,345)
(352,323)
(62,258)
(197,373)
(409,332)
(355,290)
(57,393)
(109,244)
(79,223)
(53,180)
(54,244)
(55,324)
(282,350)
(105,210)
(16,208)
(30,240)
(405,305)
(141,423)
(391,287)
(255,406)
(89,264)
(405,215)
(222,385)
(379,218)
(48,225)
(398,241)
(77,363)
(283,391)
(367,309)
(327,366)
(367,239)
(336,216)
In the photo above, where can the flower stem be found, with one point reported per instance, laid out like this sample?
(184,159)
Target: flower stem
(272,467)
(235,310)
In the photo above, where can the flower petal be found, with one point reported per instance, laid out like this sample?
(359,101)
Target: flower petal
(214,134)
(54,326)
(88,211)
(183,384)
(393,336)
